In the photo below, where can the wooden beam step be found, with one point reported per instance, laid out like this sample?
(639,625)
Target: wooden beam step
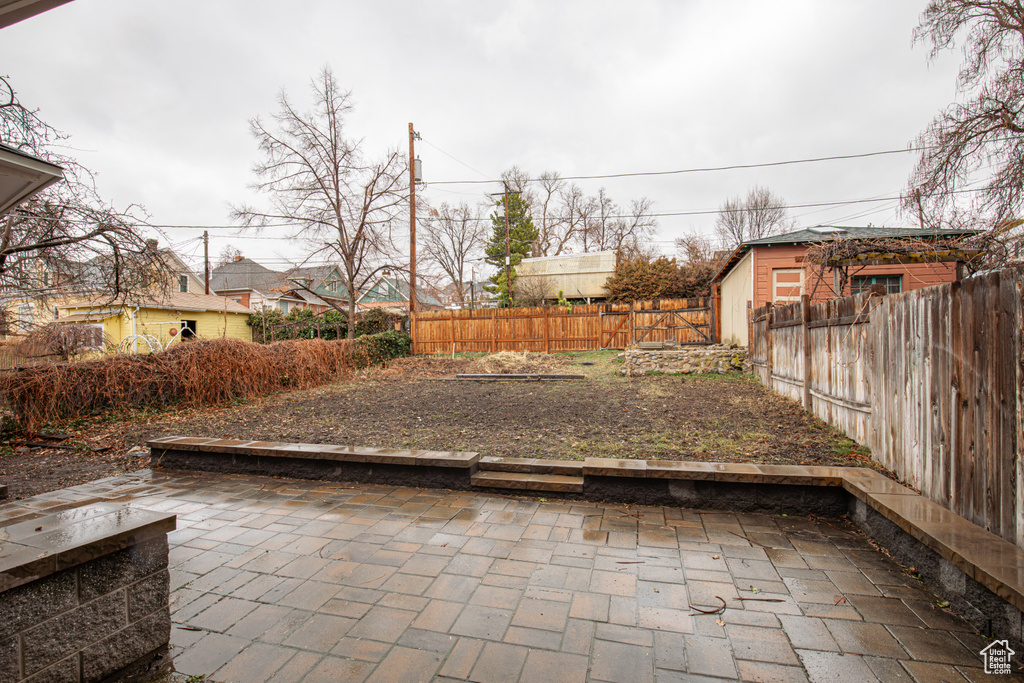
(525,481)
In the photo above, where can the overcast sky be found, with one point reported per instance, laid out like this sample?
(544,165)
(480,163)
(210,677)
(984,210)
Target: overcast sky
(157,95)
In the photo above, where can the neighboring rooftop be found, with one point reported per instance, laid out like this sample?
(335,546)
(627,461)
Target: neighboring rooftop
(576,275)
(821,233)
(176,301)
(242,273)
(397,290)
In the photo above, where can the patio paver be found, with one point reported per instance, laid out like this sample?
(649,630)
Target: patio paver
(295,580)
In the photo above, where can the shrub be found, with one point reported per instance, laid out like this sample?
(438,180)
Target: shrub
(377,320)
(193,374)
(383,346)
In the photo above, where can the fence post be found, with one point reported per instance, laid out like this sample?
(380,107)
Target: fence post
(494,330)
(547,334)
(805,319)
(769,319)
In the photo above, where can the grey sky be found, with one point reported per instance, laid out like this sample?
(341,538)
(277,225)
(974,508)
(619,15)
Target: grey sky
(157,95)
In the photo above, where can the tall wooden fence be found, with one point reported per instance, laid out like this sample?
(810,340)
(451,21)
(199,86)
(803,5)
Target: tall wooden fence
(932,381)
(554,329)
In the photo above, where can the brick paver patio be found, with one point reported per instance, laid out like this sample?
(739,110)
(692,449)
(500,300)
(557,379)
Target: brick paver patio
(284,580)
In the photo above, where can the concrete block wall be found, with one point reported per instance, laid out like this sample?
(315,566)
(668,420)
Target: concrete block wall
(91,621)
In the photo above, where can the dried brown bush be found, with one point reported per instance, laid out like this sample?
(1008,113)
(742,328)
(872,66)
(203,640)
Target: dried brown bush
(193,374)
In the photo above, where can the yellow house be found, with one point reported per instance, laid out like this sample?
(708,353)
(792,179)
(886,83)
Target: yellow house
(153,323)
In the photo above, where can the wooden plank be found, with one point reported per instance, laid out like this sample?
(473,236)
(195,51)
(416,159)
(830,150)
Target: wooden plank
(514,375)
(768,345)
(805,333)
(956,443)
(858,319)
(1006,453)
(547,332)
(1018,343)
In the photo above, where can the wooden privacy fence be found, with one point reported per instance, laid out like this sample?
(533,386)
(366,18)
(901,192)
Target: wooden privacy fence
(932,381)
(573,328)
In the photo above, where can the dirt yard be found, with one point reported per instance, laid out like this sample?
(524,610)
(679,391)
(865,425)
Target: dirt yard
(713,417)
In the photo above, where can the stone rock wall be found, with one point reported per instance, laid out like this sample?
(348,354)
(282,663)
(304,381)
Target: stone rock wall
(718,358)
(88,622)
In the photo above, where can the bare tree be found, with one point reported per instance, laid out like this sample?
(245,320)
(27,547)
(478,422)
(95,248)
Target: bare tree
(451,237)
(597,235)
(552,236)
(229,254)
(317,177)
(518,181)
(695,248)
(634,230)
(577,210)
(66,240)
(760,214)
(625,231)
(979,138)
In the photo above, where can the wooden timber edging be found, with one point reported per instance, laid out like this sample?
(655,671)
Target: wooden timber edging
(558,329)
(930,380)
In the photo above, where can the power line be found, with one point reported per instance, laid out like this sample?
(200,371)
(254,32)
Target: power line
(701,169)
(478,172)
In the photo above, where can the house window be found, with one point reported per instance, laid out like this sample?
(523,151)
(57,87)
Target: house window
(861,283)
(24,317)
(188,329)
(284,306)
(183,283)
(787,284)
(332,286)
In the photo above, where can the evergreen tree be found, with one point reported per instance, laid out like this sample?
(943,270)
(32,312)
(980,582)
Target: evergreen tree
(522,234)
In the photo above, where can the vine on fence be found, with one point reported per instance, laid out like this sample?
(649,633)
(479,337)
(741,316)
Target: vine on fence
(270,325)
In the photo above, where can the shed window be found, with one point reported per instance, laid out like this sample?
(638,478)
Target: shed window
(787,284)
(188,329)
(861,283)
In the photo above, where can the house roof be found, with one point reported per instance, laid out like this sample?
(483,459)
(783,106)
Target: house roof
(402,287)
(572,275)
(568,264)
(13,11)
(173,301)
(821,233)
(23,175)
(91,316)
(243,274)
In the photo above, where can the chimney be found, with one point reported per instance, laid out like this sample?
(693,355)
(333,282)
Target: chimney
(151,245)
(239,257)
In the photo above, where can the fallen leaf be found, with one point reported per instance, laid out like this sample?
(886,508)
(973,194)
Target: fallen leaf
(719,622)
(714,557)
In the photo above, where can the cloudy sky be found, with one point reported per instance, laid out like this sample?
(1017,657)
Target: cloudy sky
(157,95)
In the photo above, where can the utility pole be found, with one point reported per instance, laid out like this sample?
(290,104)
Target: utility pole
(206,258)
(412,223)
(920,209)
(508,256)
